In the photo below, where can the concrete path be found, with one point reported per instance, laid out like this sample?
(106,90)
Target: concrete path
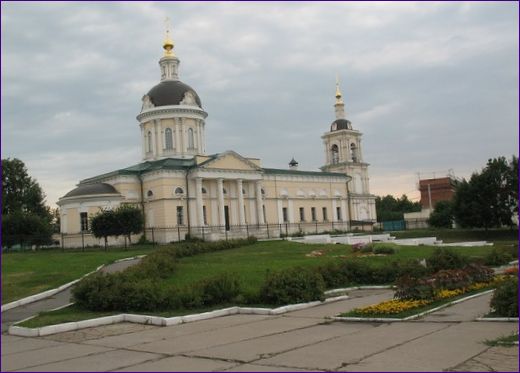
(60,299)
(297,341)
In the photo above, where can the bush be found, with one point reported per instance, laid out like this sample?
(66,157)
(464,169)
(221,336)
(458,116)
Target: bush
(479,273)
(368,248)
(384,249)
(445,259)
(412,268)
(497,257)
(409,287)
(220,289)
(451,279)
(290,286)
(505,299)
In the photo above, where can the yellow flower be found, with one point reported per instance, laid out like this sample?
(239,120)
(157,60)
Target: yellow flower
(393,306)
(443,294)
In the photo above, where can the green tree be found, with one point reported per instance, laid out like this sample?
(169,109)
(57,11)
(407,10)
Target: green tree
(25,229)
(130,220)
(490,197)
(442,215)
(105,224)
(391,208)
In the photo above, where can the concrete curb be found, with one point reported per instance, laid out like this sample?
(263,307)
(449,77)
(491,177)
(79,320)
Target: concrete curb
(497,319)
(344,290)
(51,292)
(161,321)
(416,316)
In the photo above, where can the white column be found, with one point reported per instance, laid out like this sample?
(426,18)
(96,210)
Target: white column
(259,210)
(290,210)
(143,142)
(241,216)
(220,194)
(280,211)
(200,212)
(334,212)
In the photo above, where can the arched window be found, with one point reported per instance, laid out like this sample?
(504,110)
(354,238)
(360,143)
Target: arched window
(179,191)
(191,141)
(353,152)
(149,194)
(335,154)
(243,191)
(204,191)
(224,191)
(149,141)
(168,139)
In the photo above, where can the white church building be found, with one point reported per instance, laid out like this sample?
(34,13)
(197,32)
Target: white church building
(182,189)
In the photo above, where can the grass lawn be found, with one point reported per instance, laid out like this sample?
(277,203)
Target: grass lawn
(509,341)
(29,273)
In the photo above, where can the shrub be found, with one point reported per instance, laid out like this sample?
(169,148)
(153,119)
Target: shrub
(220,289)
(479,273)
(505,299)
(294,285)
(497,257)
(445,259)
(412,268)
(384,250)
(368,248)
(451,279)
(408,287)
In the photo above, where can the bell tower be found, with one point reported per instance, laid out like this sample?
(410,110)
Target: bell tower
(343,153)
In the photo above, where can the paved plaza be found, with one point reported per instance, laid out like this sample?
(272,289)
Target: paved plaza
(303,340)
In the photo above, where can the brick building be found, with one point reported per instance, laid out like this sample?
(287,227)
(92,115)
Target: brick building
(435,190)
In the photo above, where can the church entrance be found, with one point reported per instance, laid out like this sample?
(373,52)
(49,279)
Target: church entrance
(226,216)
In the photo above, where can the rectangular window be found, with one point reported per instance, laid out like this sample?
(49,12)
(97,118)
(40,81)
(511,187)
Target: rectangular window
(325,217)
(180,215)
(313,213)
(83,217)
(302,214)
(205,216)
(284,215)
(338,213)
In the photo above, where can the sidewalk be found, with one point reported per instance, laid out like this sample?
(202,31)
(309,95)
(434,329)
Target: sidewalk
(296,341)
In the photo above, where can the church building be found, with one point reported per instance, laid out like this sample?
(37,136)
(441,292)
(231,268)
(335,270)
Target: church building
(183,190)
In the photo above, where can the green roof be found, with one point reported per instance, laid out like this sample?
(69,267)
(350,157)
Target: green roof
(278,171)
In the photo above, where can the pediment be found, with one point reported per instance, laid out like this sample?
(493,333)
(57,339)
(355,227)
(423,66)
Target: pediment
(230,160)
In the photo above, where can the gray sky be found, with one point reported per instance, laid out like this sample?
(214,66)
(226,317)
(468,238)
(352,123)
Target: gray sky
(432,86)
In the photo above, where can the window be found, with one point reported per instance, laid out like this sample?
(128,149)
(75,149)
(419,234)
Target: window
(243,191)
(168,139)
(313,213)
(224,191)
(204,215)
(338,213)
(149,142)
(149,194)
(353,152)
(284,215)
(204,191)
(83,217)
(302,214)
(335,154)
(262,191)
(180,215)
(191,140)
(179,191)
(324,210)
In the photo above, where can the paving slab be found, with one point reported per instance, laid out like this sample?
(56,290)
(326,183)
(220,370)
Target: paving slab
(253,349)
(332,309)
(265,368)
(435,351)
(498,359)
(119,329)
(177,344)
(161,333)
(179,364)
(468,310)
(10,346)
(330,355)
(55,353)
(96,362)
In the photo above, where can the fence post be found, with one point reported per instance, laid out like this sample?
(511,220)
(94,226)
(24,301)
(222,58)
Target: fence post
(316,223)
(82,240)
(153,237)
(179,233)
(62,242)
(225,230)
(247,230)
(203,235)
(286,230)
(267,224)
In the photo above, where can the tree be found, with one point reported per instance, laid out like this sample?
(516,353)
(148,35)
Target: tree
(25,217)
(442,215)
(104,224)
(390,208)
(130,220)
(489,198)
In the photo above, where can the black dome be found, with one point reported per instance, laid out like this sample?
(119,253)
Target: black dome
(341,124)
(171,92)
(98,188)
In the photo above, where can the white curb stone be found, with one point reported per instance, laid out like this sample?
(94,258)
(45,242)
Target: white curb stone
(497,319)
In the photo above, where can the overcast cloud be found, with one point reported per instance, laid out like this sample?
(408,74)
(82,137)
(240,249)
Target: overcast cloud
(432,86)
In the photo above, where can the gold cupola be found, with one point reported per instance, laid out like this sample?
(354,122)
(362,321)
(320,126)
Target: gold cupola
(339,97)
(168,45)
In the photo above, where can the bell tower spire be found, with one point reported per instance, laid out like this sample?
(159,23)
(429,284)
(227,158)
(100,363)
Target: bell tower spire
(339,105)
(169,63)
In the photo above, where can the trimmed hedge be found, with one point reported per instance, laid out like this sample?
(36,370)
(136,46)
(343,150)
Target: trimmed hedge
(505,298)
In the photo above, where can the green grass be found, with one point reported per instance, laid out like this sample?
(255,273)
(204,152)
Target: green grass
(507,341)
(29,273)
